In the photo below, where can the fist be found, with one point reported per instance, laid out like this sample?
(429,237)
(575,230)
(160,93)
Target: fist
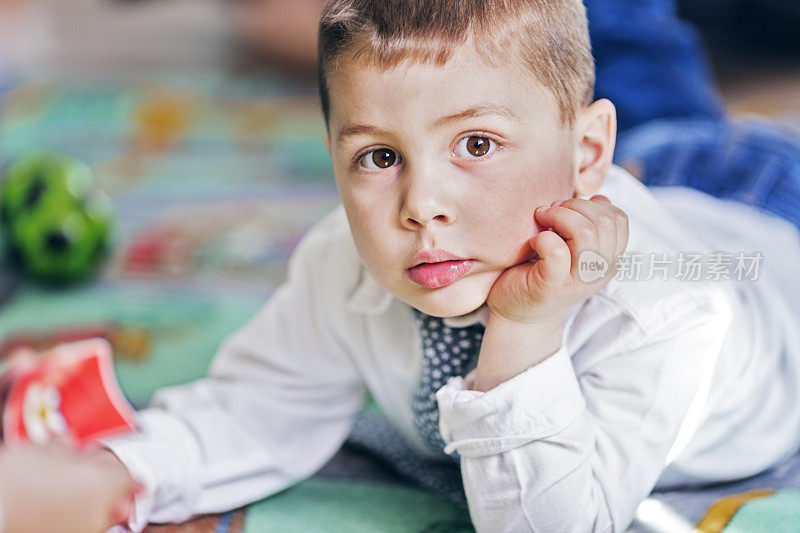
(54,486)
(573,259)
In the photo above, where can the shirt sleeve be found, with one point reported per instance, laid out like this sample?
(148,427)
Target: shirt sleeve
(577,441)
(278,403)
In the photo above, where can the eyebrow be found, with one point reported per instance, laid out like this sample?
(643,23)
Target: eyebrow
(474,112)
(351,129)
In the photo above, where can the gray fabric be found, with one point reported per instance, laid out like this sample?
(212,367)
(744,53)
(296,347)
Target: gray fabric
(374,434)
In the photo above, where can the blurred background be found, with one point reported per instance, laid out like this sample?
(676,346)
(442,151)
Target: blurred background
(754,49)
(754,44)
(209,146)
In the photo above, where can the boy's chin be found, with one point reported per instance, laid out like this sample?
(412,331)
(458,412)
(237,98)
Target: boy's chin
(448,306)
(461,298)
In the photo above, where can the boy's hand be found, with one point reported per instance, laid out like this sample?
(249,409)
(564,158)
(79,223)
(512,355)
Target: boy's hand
(528,302)
(54,488)
(589,234)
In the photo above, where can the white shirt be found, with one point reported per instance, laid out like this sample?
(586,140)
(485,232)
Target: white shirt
(656,382)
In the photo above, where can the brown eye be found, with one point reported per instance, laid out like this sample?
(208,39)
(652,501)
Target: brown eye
(478,146)
(383,158)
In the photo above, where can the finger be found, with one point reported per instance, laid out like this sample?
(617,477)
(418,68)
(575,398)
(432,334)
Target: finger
(65,440)
(621,224)
(554,255)
(22,353)
(579,232)
(600,198)
(601,213)
(623,232)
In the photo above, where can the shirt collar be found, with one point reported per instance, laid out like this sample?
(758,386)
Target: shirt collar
(368,297)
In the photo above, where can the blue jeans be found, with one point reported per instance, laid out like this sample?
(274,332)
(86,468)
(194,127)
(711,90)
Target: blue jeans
(672,129)
(748,161)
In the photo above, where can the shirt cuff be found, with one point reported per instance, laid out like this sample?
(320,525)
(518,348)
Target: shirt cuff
(533,405)
(142,502)
(150,457)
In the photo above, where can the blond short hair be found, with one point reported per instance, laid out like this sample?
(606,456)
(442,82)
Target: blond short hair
(551,38)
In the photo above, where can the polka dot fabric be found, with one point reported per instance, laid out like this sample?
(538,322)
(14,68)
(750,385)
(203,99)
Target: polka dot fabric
(446,352)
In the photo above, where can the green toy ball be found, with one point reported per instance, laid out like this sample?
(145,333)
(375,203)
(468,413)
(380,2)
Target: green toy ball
(55,221)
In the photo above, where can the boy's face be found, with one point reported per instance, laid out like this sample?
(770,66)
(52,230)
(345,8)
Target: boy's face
(440,169)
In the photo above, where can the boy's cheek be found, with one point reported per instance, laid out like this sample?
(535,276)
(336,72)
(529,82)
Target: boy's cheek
(507,224)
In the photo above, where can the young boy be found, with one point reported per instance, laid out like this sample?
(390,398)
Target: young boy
(474,244)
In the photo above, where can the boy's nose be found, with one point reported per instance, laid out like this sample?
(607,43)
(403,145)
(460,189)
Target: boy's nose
(423,205)
(419,221)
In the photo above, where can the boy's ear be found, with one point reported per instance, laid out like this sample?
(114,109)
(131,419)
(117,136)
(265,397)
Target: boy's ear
(328,142)
(596,131)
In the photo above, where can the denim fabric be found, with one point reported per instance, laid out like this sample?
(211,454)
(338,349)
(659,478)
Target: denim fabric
(672,128)
(749,161)
(649,63)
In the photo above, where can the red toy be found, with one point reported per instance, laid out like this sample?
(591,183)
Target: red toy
(69,393)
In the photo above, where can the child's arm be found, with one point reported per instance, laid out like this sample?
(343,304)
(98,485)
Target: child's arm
(577,440)
(277,405)
(81,492)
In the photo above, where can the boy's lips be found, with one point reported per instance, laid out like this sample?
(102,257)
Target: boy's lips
(434,269)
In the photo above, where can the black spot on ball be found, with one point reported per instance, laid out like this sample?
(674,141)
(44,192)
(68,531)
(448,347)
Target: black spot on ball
(35,192)
(56,241)
(14,254)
